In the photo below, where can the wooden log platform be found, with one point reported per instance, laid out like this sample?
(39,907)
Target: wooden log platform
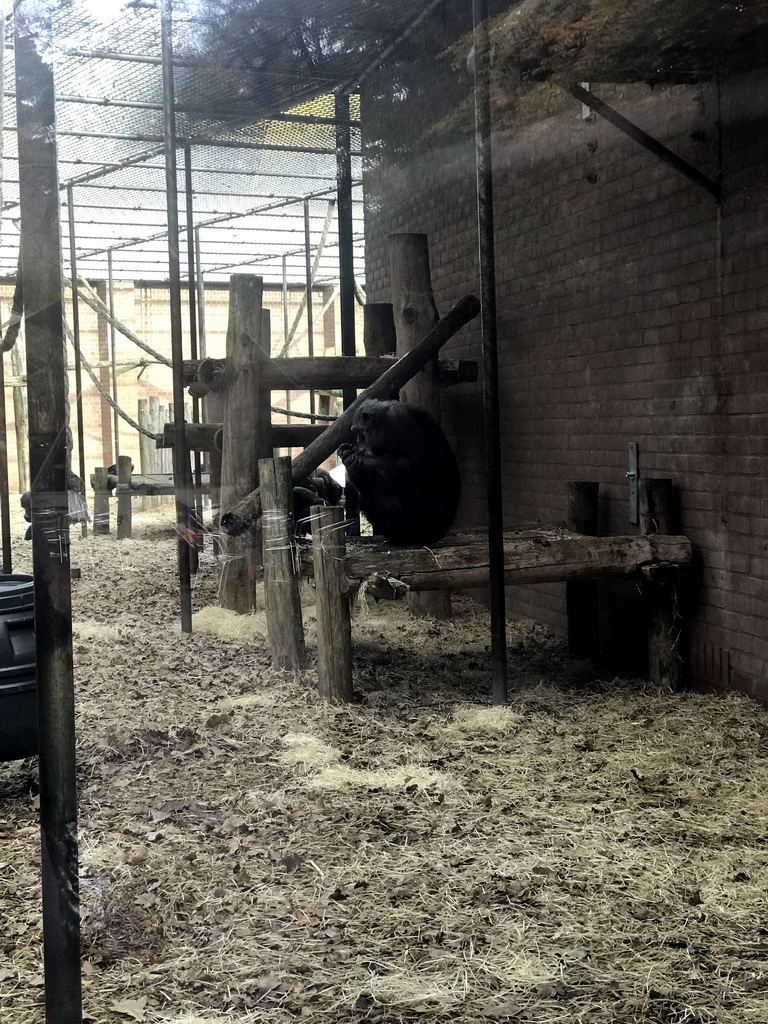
(155,483)
(538,558)
(319,372)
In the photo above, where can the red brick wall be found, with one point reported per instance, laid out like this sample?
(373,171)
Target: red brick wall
(631,309)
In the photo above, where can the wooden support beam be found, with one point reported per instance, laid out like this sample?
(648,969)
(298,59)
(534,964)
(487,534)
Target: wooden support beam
(281,579)
(202,436)
(415,313)
(334,633)
(581,597)
(665,656)
(526,560)
(246,433)
(239,518)
(100,500)
(124,510)
(317,372)
(379,336)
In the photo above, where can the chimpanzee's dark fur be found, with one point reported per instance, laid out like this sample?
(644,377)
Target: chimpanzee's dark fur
(405,471)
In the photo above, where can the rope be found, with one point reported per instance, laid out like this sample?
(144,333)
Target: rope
(304,415)
(105,394)
(90,298)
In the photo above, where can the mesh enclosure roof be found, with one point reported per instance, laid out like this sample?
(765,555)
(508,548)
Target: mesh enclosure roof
(253,83)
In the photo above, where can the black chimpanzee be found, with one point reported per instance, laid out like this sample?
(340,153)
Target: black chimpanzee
(319,488)
(402,465)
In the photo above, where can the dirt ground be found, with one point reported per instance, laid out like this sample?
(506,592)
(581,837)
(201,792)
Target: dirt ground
(595,852)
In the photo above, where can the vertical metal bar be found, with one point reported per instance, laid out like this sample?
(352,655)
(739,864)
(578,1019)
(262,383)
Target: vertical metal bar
(5,506)
(308,274)
(484,164)
(286,328)
(346,237)
(346,272)
(200,282)
(76,341)
(42,275)
(113,353)
(197,461)
(181,473)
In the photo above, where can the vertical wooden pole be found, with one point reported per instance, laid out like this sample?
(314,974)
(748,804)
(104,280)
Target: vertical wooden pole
(415,313)
(247,433)
(213,412)
(281,577)
(124,499)
(155,453)
(665,661)
(334,629)
(581,596)
(379,338)
(46,359)
(146,447)
(100,501)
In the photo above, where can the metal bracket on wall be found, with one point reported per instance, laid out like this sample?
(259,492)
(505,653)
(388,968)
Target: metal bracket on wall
(633,475)
(644,139)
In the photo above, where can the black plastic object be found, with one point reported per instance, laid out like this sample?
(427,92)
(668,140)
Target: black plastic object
(18,676)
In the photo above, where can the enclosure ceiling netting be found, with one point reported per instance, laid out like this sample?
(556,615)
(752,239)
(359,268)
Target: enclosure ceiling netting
(252,167)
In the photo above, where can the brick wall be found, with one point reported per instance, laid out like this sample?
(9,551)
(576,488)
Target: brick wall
(631,309)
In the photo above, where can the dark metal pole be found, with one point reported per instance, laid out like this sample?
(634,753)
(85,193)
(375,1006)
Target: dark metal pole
(181,472)
(76,342)
(42,275)
(346,235)
(346,270)
(484,164)
(5,506)
(200,282)
(308,274)
(286,329)
(113,354)
(197,461)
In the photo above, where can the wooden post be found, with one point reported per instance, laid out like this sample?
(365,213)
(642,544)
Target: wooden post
(246,433)
(379,336)
(415,313)
(213,412)
(665,662)
(145,447)
(581,596)
(124,499)
(281,576)
(334,630)
(156,426)
(100,501)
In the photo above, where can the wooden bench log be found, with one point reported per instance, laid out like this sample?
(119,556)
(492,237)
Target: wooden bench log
(526,560)
(317,373)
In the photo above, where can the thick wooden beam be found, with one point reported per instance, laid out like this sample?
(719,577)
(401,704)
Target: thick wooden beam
(246,432)
(526,560)
(281,579)
(241,515)
(202,436)
(203,376)
(334,634)
(415,313)
(581,596)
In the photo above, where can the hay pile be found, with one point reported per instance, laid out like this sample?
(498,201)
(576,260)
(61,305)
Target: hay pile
(596,851)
